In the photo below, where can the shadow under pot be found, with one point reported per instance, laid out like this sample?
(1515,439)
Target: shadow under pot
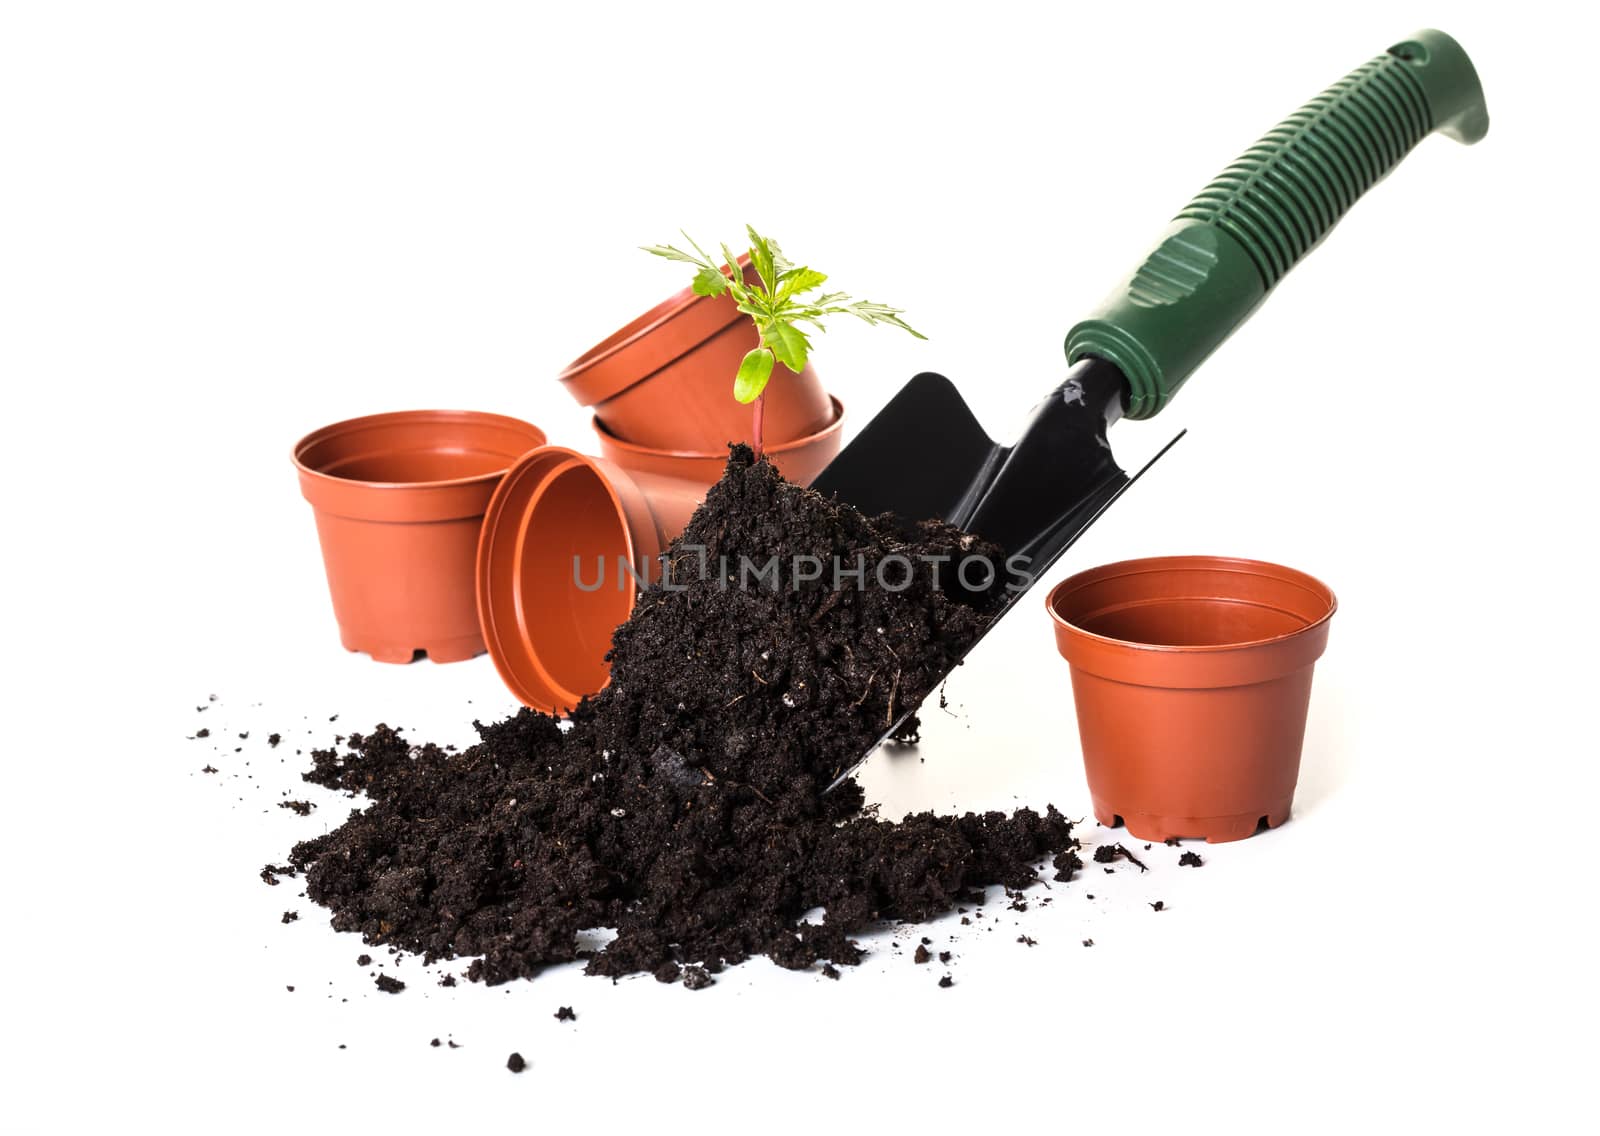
(665,381)
(1192,679)
(399,501)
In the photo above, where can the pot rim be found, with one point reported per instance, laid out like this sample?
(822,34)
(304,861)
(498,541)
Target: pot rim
(833,427)
(1151,564)
(386,418)
(631,333)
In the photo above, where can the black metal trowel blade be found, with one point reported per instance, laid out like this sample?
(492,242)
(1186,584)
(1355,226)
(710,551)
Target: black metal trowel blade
(925,455)
(922,456)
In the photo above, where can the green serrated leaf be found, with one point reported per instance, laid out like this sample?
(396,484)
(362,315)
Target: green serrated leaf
(710,282)
(761,257)
(904,326)
(754,371)
(798,280)
(788,343)
(780,263)
(736,275)
(704,257)
(874,313)
(670,253)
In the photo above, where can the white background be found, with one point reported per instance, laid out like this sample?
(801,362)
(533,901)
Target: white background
(222,225)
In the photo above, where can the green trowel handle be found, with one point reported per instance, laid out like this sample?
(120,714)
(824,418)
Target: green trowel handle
(1221,256)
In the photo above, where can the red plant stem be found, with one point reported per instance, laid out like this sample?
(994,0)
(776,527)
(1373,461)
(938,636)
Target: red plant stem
(757,412)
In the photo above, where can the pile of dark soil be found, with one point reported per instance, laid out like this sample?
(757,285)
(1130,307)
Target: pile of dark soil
(684,805)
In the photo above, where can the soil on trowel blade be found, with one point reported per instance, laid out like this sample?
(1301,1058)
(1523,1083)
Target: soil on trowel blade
(684,806)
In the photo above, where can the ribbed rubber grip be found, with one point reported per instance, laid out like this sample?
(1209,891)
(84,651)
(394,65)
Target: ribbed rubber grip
(1241,234)
(1287,190)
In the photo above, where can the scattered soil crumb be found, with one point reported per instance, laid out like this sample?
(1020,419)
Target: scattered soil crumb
(922,954)
(1066,863)
(270,873)
(1191,860)
(299,808)
(1158,905)
(363,960)
(1088,942)
(515,1063)
(389,984)
(697,978)
(448,980)
(944,956)
(208,769)
(946,982)
(436,1043)
(830,971)
(1106,853)
(202,732)
(273,740)
(290,916)
(668,972)
(1026,941)
(565,1014)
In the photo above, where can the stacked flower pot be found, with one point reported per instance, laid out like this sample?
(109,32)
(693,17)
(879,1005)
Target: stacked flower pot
(448,533)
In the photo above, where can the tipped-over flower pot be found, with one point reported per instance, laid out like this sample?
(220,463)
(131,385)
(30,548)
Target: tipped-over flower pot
(799,460)
(1192,677)
(567,540)
(399,499)
(665,381)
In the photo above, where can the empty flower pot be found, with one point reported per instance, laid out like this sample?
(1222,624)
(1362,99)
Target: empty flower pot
(566,541)
(1192,677)
(666,380)
(399,500)
(799,460)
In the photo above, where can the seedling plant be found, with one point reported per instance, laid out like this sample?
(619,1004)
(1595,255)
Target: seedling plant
(778,303)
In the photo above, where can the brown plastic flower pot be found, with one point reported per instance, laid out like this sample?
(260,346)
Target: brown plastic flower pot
(666,380)
(566,540)
(800,460)
(399,499)
(1192,676)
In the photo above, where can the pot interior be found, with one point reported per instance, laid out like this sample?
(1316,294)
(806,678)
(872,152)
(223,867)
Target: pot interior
(1194,602)
(1195,621)
(413,448)
(573,586)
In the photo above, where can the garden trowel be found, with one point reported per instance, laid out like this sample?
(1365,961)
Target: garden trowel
(925,455)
